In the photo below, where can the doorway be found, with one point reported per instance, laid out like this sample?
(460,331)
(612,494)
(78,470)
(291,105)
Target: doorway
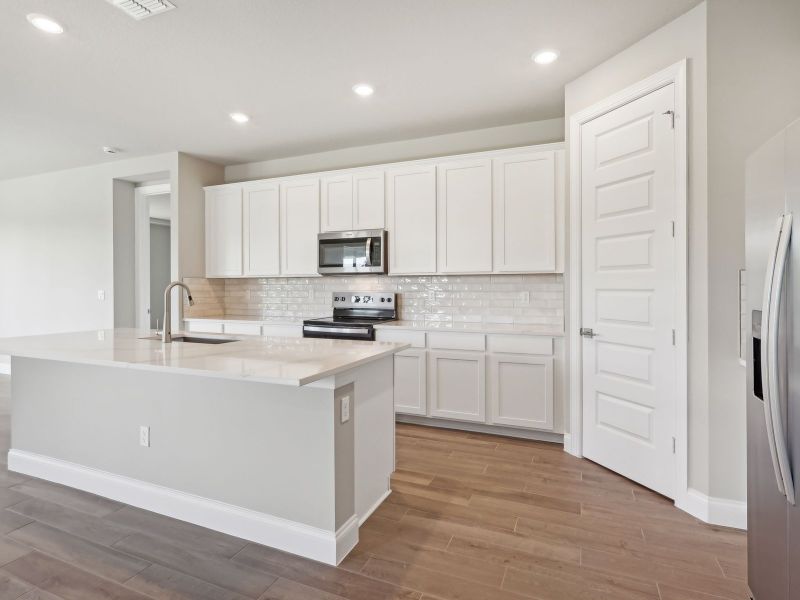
(153,257)
(628,304)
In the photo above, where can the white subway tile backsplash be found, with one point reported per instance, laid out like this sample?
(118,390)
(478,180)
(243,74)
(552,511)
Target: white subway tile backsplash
(524,299)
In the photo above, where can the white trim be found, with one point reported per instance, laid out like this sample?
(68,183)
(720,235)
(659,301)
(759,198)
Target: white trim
(716,511)
(515,432)
(373,508)
(142,223)
(304,540)
(674,74)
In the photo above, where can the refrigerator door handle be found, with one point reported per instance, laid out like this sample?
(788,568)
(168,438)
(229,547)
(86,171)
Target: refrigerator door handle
(773,382)
(766,355)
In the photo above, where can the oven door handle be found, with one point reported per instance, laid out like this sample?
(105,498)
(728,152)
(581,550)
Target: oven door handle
(369,251)
(345,330)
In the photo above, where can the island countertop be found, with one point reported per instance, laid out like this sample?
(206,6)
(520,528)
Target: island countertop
(279,360)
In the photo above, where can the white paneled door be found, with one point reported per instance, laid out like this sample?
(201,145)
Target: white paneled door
(628,199)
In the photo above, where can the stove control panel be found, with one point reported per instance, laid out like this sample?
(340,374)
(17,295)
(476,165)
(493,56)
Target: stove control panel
(365,299)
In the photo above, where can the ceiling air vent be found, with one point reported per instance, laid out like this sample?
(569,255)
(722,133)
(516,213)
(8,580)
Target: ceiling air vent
(141,9)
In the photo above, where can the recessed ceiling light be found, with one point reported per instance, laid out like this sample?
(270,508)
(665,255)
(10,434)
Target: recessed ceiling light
(45,23)
(239,117)
(363,89)
(544,57)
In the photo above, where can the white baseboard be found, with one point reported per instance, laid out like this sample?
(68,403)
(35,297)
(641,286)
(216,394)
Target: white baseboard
(304,540)
(373,508)
(526,434)
(714,511)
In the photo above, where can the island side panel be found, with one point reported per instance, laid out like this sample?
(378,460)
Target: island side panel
(373,412)
(263,447)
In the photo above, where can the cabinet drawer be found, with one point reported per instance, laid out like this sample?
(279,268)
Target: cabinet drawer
(521,344)
(242,328)
(415,338)
(456,341)
(204,326)
(281,330)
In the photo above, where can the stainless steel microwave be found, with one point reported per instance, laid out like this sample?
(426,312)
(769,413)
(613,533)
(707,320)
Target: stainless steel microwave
(343,252)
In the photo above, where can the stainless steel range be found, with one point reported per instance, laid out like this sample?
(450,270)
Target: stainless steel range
(354,316)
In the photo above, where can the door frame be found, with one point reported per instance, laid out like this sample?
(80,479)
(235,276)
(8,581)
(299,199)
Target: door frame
(141,209)
(573,441)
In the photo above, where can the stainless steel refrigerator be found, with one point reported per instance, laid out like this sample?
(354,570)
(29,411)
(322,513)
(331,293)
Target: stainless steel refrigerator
(773,367)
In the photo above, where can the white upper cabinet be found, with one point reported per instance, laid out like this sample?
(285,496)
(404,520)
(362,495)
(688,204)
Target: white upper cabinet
(261,229)
(299,226)
(411,219)
(465,216)
(525,210)
(352,201)
(224,232)
(337,203)
(491,212)
(369,205)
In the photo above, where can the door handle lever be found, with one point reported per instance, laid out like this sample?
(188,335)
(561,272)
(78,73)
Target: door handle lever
(587,332)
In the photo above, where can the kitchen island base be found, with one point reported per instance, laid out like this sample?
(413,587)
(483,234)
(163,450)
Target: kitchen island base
(275,464)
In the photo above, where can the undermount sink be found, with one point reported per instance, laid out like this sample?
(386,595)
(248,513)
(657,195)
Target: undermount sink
(192,339)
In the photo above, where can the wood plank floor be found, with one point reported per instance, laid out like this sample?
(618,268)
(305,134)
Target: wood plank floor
(471,517)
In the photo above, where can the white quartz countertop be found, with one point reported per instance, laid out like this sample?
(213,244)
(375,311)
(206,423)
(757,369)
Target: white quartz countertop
(280,360)
(510,328)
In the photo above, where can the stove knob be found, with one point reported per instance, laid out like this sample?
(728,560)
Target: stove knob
(383,299)
(388,299)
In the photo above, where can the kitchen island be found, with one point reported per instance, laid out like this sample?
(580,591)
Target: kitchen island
(282,441)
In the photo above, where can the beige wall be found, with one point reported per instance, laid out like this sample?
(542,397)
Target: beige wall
(743,87)
(508,136)
(753,92)
(685,37)
(57,241)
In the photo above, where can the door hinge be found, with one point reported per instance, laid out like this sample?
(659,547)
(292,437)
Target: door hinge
(673,337)
(674,443)
(671,114)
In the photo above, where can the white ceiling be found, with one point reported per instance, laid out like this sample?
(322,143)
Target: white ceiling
(169,82)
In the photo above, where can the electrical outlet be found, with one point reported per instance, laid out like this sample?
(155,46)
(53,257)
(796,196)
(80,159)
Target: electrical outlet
(345,409)
(101,295)
(144,436)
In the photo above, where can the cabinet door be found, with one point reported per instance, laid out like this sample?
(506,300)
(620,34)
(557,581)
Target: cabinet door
(457,385)
(464,203)
(224,232)
(525,213)
(410,383)
(411,205)
(337,203)
(299,226)
(262,225)
(521,390)
(369,205)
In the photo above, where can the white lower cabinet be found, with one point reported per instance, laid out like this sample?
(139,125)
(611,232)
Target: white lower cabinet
(521,390)
(410,382)
(497,379)
(457,385)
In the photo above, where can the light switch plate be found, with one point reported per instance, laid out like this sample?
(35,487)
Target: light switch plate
(101,295)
